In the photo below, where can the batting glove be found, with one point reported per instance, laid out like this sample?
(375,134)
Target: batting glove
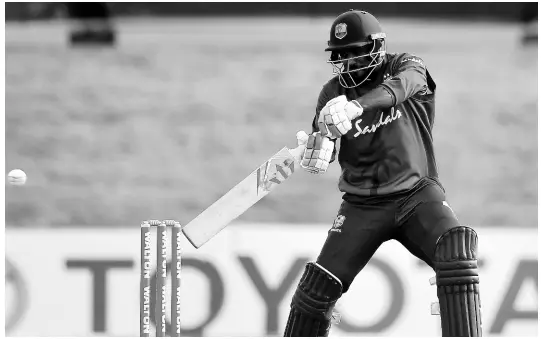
(318,154)
(335,118)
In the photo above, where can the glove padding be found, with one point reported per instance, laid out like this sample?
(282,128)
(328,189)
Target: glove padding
(335,118)
(318,154)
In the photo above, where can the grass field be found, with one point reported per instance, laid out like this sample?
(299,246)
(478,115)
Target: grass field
(183,109)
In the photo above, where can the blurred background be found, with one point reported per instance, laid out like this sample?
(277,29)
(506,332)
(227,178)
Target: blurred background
(124,112)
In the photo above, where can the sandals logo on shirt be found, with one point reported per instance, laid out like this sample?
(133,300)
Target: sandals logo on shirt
(392,116)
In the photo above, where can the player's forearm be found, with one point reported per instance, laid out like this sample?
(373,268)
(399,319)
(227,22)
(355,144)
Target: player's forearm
(394,91)
(377,99)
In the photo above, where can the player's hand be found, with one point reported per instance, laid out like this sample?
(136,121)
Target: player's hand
(335,118)
(318,153)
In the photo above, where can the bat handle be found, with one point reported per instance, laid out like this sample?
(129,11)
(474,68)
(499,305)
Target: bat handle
(302,139)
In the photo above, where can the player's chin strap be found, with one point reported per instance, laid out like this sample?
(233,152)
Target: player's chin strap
(313,303)
(457,280)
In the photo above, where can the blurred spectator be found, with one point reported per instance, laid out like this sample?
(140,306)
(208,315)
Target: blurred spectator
(92,23)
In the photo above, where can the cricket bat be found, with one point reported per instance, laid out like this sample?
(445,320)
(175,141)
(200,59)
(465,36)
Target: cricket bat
(245,194)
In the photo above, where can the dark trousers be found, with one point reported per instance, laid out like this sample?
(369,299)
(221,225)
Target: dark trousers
(416,219)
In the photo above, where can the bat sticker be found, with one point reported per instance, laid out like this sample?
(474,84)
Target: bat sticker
(267,176)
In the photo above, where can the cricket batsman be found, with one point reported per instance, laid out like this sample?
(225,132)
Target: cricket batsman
(377,114)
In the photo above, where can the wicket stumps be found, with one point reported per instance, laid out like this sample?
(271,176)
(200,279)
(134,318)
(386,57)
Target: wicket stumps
(161,278)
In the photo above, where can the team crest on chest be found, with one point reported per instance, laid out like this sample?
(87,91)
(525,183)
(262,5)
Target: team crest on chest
(341,30)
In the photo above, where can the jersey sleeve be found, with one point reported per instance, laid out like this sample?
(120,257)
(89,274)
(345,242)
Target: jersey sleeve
(407,79)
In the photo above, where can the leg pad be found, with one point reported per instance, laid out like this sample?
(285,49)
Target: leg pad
(313,303)
(457,280)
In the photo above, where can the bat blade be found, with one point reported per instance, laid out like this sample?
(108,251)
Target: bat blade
(244,195)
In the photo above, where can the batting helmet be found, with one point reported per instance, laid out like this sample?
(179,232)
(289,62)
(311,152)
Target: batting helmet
(357,30)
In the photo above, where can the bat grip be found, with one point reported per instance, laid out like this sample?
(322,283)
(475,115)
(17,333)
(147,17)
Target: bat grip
(297,152)
(302,140)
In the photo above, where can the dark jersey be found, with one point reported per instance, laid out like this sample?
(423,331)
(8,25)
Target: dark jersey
(388,151)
